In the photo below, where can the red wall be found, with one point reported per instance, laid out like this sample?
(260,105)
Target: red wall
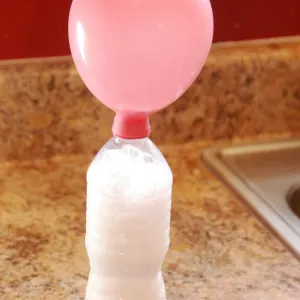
(33,28)
(36,28)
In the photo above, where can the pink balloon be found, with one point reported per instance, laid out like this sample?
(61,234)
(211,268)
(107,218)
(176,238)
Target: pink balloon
(139,55)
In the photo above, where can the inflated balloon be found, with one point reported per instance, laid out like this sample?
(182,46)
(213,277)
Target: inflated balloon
(138,56)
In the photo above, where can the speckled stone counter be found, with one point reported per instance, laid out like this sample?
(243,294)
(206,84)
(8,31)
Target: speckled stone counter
(244,89)
(218,250)
(50,127)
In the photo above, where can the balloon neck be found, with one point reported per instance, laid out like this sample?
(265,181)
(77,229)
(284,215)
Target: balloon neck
(131,125)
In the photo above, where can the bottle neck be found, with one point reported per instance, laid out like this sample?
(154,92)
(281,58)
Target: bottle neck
(131,125)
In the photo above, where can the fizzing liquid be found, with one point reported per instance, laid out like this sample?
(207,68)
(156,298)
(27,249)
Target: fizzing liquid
(128,221)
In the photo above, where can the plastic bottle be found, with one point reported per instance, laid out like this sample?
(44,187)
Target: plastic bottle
(128,221)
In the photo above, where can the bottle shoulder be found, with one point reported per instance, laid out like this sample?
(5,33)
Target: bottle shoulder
(128,156)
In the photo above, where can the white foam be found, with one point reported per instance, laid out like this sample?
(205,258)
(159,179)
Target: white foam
(128,224)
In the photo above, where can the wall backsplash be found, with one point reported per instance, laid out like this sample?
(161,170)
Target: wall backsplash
(245,89)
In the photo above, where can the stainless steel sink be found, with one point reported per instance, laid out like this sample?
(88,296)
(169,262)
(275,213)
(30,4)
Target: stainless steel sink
(266,177)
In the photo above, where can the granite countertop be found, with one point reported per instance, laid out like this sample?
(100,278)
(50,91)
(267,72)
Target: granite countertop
(218,250)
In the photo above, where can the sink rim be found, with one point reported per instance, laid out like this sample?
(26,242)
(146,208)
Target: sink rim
(213,159)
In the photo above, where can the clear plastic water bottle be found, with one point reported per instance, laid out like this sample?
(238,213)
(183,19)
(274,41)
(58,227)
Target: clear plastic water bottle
(129,187)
